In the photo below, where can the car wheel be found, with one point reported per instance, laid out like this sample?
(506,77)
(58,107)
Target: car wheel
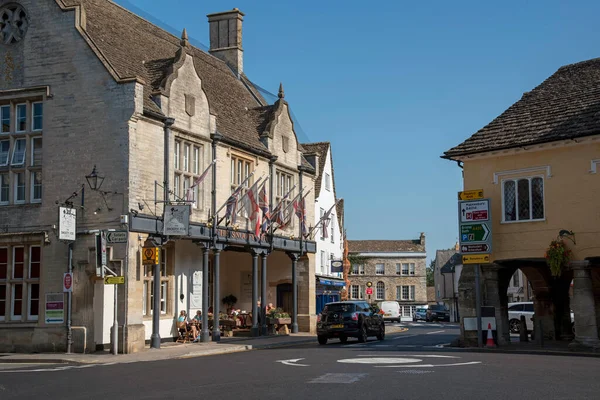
(514,325)
(362,335)
(322,340)
(381,334)
(343,339)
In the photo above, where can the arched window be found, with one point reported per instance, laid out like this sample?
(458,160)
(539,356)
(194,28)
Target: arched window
(380,290)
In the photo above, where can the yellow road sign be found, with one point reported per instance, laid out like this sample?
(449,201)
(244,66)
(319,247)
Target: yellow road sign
(114,280)
(476,259)
(471,194)
(150,255)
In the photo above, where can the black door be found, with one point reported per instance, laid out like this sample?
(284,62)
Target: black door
(284,297)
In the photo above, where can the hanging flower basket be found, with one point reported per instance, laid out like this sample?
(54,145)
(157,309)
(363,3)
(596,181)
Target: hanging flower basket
(557,257)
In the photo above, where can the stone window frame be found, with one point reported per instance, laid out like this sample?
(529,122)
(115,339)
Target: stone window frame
(380,290)
(360,268)
(167,280)
(378,270)
(410,291)
(284,181)
(31,166)
(9,283)
(184,173)
(405,271)
(530,198)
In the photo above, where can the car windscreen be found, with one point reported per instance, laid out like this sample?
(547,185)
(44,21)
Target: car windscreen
(437,308)
(339,308)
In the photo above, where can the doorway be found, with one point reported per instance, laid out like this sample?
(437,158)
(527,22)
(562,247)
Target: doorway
(284,297)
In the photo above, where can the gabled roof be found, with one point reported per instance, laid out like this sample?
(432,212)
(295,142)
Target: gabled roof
(320,149)
(385,246)
(445,260)
(564,106)
(134,48)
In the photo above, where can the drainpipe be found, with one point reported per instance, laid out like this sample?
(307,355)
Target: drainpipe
(167,129)
(216,137)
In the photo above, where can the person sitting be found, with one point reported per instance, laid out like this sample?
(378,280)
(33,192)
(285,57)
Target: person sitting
(183,325)
(270,307)
(198,316)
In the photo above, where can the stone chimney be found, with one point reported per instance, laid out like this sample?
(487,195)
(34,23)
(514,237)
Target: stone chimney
(457,246)
(226,38)
(422,238)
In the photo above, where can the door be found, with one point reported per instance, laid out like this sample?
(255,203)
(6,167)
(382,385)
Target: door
(284,297)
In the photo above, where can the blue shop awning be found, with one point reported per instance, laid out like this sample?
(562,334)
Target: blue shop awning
(330,282)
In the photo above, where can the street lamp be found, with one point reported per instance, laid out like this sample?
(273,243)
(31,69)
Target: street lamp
(94,180)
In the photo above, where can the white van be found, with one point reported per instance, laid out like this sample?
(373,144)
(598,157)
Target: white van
(391,310)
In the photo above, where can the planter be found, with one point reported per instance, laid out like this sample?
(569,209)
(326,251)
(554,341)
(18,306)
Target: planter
(280,321)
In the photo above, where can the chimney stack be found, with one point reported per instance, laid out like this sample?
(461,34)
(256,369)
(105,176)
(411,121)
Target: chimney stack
(422,238)
(226,38)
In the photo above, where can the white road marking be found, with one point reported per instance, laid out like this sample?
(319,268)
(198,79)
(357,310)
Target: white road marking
(412,355)
(429,365)
(293,362)
(432,333)
(402,337)
(338,378)
(379,360)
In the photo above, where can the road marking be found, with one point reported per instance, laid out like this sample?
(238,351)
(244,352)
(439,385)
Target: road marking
(383,345)
(338,378)
(432,333)
(293,362)
(429,365)
(379,360)
(414,371)
(412,355)
(403,337)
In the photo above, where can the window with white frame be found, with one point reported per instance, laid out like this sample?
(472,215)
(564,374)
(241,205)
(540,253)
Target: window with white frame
(405,268)
(166,272)
(327,181)
(380,290)
(188,162)
(398,292)
(523,199)
(379,269)
(321,213)
(398,269)
(408,292)
(361,291)
(323,261)
(332,225)
(411,268)
(20,268)
(357,269)
(241,168)
(354,291)
(412,292)
(21,127)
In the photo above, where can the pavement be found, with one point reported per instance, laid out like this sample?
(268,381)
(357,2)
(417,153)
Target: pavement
(172,350)
(406,365)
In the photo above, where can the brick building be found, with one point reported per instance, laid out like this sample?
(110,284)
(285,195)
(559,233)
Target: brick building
(395,268)
(105,88)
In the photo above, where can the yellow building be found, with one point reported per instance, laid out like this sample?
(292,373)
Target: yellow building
(538,163)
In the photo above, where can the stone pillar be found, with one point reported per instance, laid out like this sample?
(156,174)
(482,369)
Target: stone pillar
(216,333)
(466,305)
(596,286)
(493,297)
(586,327)
(255,329)
(543,307)
(263,296)
(562,307)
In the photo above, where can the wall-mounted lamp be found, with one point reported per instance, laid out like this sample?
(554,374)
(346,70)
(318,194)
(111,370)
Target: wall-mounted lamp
(94,180)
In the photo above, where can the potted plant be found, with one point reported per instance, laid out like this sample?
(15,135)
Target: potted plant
(557,256)
(278,316)
(229,300)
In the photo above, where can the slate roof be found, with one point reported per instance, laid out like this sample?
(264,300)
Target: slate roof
(135,48)
(445,260)
(385,246)
(564,106)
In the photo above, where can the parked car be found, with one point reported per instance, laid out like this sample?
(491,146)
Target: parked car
(391,310)
(420,314)
(515,310)
(437,312)
(346,319)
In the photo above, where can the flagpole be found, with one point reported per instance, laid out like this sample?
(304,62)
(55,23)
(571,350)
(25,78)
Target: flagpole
(323,217)
(239,186)
(287,207)
(258,181)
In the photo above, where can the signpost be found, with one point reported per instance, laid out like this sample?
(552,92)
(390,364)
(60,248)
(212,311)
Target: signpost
(67,232)
(115,237)
(150,256)
(55,308)
(475,233)
(337,266)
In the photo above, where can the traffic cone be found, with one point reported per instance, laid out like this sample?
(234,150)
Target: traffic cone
(490,338)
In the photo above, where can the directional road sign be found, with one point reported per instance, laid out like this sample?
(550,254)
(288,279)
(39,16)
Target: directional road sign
(474,232)
(473,211)
(475,248)
(116,237)
(471,194)
(475,259)
(114,280)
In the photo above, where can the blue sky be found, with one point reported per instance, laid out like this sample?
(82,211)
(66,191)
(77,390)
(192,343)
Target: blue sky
(393,84)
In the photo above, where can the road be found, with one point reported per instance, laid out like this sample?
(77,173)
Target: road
(408,365)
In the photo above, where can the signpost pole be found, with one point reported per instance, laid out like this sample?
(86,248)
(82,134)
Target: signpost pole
(155,338)
(69,302)
(116,325)
(478,305)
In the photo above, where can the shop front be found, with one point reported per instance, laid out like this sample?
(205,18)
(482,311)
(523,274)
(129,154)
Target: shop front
(328,290)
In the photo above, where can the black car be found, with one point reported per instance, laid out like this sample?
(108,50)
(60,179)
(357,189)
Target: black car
(346,319)
(437,313)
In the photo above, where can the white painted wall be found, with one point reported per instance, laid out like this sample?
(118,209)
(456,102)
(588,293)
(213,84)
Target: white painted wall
(325,200)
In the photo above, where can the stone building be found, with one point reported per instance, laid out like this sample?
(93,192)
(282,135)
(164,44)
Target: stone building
(106,90)
(396,270)
(328,233)
(537,162)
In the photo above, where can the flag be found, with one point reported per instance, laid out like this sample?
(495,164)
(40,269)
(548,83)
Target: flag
(263,203)
(231,211)
(250,204)
(189,196)
(300,209)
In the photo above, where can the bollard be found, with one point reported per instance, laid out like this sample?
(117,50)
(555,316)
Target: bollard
(523,337)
